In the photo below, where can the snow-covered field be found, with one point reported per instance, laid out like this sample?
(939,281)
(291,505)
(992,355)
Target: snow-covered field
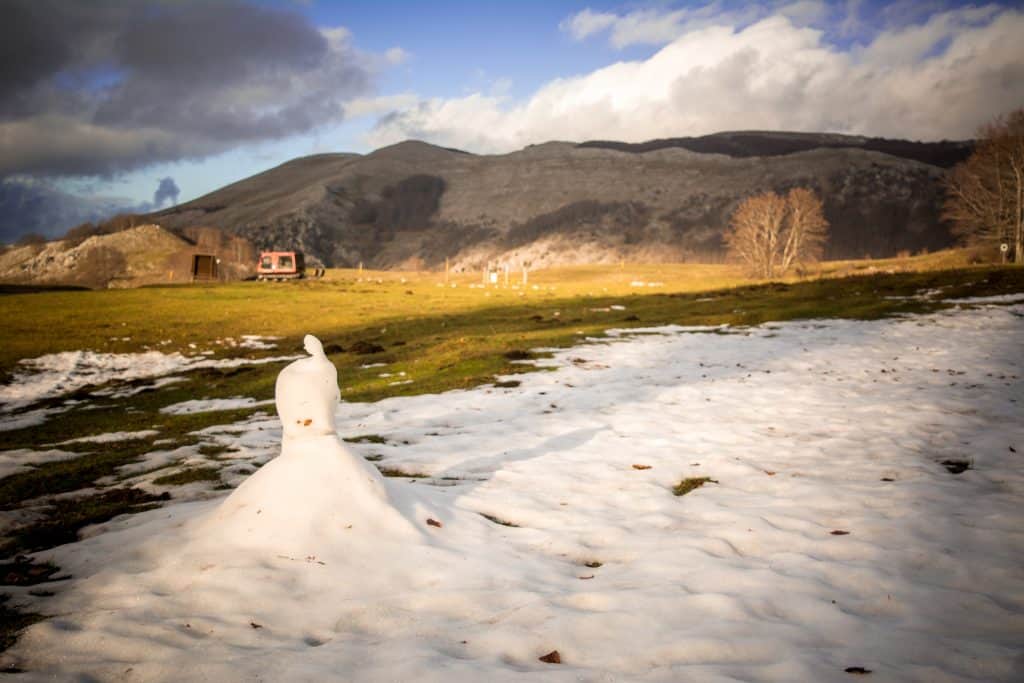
(59,374)
(841,529)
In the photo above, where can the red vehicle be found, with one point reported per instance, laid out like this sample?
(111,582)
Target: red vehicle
(280,265)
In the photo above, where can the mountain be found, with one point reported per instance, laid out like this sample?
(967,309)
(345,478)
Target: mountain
(412,205)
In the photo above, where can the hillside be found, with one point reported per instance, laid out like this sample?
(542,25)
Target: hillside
(124,259)
(143,255)
(414,204)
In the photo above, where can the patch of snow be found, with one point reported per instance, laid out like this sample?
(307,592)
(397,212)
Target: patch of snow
(126,392)
(207,405)
(28,418)
(832,537)
(997,299)
(57,374)
(115,436)
(256,341)
(21,459)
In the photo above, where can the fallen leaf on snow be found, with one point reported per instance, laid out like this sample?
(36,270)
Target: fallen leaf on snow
(641,467)
(433,522)
(551,658)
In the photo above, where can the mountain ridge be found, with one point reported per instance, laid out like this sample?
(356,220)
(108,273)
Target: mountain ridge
(414,204)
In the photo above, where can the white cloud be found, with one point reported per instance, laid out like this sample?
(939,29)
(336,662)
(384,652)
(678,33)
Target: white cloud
(662,26)
(396,56)
(805,12)
(586,23)
(937,80)
(376,106)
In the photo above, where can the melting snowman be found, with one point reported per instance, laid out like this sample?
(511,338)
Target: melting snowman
(317,489)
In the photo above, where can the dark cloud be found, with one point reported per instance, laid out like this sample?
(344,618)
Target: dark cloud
(167,190)
(102,87)
(32,206)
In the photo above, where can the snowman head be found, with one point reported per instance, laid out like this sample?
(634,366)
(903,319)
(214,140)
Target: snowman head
(313,346)
(306,393)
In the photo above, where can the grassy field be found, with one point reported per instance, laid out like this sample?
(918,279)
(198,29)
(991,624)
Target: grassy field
(349,303)
(440,335)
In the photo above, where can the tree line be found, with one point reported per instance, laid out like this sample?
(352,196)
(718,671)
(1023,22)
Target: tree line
(984,204)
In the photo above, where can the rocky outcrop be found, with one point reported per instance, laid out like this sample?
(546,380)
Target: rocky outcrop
(147,254)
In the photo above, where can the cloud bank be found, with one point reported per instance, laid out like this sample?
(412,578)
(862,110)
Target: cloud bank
(938,78)
(104,87)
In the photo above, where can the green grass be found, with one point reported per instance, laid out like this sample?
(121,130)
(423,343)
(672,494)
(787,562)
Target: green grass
(68,515)
(188,475)
(12,622)
(498,520)
(393,472)
(690,484)
(366,438)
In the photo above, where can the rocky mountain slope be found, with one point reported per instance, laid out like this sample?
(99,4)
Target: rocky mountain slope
(142,255)
(124,259)
(414,204)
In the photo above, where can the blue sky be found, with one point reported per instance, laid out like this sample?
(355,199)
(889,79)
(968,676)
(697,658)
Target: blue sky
(209,93)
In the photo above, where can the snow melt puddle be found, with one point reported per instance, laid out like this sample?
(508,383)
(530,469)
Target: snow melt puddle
(835,537)
(59,374)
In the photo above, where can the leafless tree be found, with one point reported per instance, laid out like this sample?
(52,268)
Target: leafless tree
(985,194)
(771,234)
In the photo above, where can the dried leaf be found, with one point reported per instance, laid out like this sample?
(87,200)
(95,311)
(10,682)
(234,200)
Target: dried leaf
(551,658)
(307,422)
(255,625)
(857,670)
(433,522)
(839,532)
(641,467)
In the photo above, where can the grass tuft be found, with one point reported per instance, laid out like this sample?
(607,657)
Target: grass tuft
(498,520)
(188,475)
(366,438)
(691,483)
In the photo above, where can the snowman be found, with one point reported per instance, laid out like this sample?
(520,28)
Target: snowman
(316,491)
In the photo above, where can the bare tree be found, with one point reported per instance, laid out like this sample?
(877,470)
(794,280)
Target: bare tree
(985,194)
(806,228)
(770,233)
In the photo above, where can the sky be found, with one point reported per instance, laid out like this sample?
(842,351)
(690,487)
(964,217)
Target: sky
(137,105)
